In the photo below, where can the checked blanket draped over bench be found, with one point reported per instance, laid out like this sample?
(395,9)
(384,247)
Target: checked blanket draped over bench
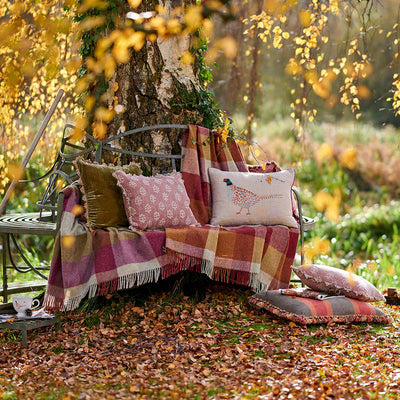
(91,263)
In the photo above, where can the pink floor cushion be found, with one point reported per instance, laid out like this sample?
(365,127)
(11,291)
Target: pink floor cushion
(337,281)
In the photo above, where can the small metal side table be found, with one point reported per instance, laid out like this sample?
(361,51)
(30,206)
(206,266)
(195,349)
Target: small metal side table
(25,325)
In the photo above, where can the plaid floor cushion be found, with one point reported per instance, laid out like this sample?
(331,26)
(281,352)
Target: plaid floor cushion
(309,311)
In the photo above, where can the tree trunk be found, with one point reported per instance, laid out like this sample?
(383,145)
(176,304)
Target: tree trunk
(234,88)
(254,83)
(155,87)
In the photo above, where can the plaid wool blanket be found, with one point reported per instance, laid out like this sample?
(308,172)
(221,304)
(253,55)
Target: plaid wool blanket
(256,256)
(95,263)
(92,263)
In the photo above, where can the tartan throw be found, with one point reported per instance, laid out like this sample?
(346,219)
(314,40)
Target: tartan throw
(95,263)
(204,149)
(257,256)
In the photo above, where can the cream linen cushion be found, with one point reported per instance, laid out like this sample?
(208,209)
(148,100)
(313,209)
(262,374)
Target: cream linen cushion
(246,198)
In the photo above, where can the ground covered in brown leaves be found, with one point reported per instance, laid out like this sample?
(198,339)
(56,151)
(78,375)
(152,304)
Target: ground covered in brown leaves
(172,347)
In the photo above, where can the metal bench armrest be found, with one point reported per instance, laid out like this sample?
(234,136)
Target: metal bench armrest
(306,223)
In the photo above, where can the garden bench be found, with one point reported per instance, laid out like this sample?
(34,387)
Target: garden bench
(47,221)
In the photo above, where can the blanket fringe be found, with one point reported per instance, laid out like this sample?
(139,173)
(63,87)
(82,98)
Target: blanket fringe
(245,278)
(53,301)
(178,262)
(139,278)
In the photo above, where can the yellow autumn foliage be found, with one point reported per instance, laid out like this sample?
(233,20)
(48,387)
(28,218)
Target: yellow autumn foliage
(315,248)
(328,203)
(348,159)
(325,152)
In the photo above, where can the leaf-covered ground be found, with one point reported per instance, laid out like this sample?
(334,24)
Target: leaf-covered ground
(172,347)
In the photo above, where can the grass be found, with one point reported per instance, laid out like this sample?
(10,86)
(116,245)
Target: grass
(365,238)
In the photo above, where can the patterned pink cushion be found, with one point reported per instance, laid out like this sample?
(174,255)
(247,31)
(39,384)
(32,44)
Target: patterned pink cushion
(155,202)
(304,311)
(337,281)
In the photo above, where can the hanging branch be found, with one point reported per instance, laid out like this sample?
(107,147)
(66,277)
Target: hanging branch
(253,80)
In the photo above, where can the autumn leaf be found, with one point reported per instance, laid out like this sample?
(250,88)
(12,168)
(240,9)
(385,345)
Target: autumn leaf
(150,352)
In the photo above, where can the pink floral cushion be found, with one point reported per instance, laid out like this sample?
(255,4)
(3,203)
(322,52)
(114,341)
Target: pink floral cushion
(337,281)
(155,202)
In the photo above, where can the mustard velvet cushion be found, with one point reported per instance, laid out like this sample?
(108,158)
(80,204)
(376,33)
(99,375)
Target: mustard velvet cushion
(248,198)
(104,205)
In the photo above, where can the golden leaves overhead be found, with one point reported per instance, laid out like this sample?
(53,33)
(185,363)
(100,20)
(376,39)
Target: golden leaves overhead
(39,54)
(99,129)
(193,18)
(293,67)
(227,45)
(80,124)
(306,17)
(136,32)
(92,22)
(88,4)
(37,57)
(305,27)
(187,58)
(104,114)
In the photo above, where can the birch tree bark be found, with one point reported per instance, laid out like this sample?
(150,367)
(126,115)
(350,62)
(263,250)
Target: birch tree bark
(155,87)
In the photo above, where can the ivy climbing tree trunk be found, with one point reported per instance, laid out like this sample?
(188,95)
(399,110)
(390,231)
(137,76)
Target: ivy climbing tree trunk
(155,87)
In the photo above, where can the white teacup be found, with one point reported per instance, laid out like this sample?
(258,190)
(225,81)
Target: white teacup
(23,303)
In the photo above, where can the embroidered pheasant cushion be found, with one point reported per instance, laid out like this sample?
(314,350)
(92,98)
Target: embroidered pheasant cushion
(246,198)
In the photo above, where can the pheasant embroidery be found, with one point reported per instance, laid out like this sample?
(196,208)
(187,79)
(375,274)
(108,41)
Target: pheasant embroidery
(245,198)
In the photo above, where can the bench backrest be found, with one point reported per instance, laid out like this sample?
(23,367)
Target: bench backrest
(63,171)
(110,144)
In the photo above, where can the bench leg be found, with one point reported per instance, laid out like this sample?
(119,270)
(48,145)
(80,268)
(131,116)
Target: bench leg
(24,336)
(5,240)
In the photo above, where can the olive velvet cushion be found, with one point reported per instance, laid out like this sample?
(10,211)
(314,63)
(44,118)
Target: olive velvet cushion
(338,309)
(104,205)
